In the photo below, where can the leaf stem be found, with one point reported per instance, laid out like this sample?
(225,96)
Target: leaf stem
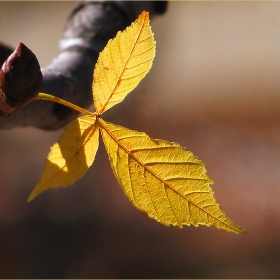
(45,96)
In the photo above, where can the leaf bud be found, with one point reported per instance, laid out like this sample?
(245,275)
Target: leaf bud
(20,79)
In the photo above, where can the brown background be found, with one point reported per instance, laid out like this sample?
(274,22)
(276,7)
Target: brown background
(215,89)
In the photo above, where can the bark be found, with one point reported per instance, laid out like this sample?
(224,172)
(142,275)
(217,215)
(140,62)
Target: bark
(69,76)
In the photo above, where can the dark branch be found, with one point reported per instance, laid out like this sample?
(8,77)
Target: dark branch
(69,76)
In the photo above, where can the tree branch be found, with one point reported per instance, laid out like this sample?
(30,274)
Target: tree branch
(69,76)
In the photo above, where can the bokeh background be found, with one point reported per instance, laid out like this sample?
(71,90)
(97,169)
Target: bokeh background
(215,89)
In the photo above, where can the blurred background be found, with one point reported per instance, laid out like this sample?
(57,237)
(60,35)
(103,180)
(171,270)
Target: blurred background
(215,89)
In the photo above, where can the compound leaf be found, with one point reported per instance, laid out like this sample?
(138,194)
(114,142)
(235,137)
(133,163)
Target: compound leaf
(163,179)
(160,178)
(71,156)
(123,64)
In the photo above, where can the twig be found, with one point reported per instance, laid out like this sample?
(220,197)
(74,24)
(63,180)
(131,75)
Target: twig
(69,76)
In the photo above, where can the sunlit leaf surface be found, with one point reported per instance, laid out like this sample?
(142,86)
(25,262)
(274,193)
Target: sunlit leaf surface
(71,156)
(123,64)
(163,179)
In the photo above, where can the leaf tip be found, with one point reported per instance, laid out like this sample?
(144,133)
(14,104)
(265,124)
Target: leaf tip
(33,194)
(30,197)
(235,229)
(144,14)
(241,231)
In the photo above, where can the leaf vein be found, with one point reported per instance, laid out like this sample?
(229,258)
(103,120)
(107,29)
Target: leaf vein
(144,51)
(138,64)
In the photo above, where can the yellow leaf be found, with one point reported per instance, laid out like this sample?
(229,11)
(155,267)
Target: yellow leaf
(163,179)
(71,156)
(123,64)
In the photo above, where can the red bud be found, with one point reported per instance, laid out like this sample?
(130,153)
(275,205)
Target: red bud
(20,79)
